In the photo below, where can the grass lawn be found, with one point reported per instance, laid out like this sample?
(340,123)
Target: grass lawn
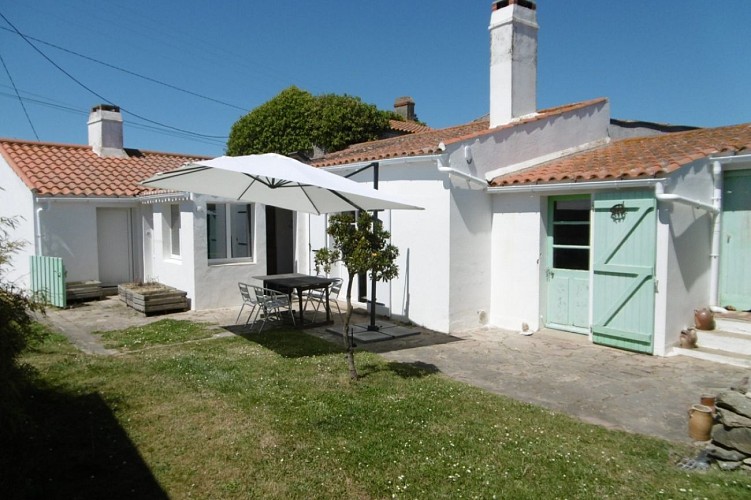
(274,415)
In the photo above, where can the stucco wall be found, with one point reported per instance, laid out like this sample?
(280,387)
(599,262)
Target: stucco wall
(470,279)
(17,201)
(684,240)
(515,261)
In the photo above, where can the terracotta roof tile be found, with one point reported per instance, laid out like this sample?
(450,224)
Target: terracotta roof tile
(74,170)
(426,142)
(409,127)
(641,157)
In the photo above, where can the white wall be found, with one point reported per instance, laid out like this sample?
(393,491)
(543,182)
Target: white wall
(16,200)
(516,244)
(470,257)
(215,285)
(684,241)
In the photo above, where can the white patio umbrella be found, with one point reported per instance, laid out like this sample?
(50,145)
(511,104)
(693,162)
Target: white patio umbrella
(276,180)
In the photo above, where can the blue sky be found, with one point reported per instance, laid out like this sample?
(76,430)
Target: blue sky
(671,61)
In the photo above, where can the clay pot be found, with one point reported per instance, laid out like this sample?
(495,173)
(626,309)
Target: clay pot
(700,420)
(704,319)
(688,338)
(708,400)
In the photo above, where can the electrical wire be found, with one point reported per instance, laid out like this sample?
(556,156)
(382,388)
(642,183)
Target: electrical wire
(104,99)
(132,73)
(15,89)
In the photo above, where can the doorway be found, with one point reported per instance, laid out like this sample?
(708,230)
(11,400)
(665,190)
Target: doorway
(735,265)
(280,256)
(114,245)
(568,270)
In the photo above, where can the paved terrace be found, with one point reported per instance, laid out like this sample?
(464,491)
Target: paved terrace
(557,370)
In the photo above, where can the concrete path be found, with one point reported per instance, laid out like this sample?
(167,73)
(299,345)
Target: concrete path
(557,370)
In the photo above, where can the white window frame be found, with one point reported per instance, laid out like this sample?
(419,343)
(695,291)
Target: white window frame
(174,230)
(228,235)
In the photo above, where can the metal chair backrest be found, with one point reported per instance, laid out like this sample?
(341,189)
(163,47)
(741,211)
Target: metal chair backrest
(245,293)
(336,287)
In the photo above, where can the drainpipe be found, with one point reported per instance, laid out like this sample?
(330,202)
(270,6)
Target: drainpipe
(472,181)
(40,207)
(714,262)
(661,195)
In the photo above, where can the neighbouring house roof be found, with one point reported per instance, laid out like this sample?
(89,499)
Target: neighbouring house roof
(427,142)
(635,158)
(408,127)
(72,170)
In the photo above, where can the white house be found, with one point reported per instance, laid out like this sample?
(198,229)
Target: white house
(560,218)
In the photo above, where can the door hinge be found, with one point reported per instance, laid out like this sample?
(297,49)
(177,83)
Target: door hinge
(657,288)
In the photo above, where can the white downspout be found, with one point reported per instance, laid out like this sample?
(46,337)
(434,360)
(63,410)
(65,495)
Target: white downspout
(40,207)
(662,196)
(452,172)
(714,263)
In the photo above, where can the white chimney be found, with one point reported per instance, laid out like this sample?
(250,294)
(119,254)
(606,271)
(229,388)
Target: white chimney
(106,131)
(513,60)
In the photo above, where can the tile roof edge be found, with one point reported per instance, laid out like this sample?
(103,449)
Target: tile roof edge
(4,140)
(13,166)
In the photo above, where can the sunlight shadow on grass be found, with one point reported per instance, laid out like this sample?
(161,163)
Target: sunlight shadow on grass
(415,369)
(72,446)
(287,342)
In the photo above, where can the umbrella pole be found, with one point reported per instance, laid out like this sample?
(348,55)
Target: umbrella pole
(372,327)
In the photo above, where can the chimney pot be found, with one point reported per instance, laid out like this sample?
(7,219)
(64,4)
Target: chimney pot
(513,60)
(405,107)
(106,131)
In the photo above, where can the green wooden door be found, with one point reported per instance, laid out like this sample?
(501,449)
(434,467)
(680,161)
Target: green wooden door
(735,247)
(567,274)
(623,267)
(48,280)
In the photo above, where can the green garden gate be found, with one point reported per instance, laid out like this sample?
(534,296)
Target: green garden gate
(48,280)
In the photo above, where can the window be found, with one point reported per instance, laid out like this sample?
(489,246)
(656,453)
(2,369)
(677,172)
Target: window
(229,231)
(174,230)
(571,234)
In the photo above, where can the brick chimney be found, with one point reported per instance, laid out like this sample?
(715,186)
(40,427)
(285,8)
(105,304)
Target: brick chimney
(106,131)
(513,60)
(405,107)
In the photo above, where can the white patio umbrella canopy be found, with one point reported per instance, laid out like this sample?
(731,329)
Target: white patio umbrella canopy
(276,180)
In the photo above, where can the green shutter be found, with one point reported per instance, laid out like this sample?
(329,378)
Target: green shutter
(624,261)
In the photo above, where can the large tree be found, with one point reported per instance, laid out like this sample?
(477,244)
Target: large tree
(295,120)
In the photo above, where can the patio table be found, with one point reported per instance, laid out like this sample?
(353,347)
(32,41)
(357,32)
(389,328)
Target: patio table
(291,282)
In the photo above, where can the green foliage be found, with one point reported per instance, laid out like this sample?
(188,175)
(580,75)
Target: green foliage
(325,258)
(16,330)
(364,246)
(295,120)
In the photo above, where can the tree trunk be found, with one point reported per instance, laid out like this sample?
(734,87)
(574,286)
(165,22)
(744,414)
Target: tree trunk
(350,349)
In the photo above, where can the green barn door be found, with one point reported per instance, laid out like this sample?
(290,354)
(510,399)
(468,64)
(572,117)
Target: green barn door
(624,260)
(735,247)
(567,274)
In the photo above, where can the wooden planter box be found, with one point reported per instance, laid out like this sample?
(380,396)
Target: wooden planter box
(150,298)
(83,290)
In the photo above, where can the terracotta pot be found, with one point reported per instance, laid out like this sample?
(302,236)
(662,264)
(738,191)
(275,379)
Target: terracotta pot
(708,400)
(704,319)
(700,420)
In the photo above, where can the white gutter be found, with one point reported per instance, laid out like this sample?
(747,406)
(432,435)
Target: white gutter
(575,186)
(88,200)
(386,161)
(661,195)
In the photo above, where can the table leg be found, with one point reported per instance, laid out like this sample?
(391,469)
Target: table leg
(328,306)
(302,315)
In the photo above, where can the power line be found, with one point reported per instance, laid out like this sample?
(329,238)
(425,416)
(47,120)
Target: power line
(104,99)
(15,89)
(132,73)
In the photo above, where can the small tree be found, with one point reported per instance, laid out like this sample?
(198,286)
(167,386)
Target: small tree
(362,247)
